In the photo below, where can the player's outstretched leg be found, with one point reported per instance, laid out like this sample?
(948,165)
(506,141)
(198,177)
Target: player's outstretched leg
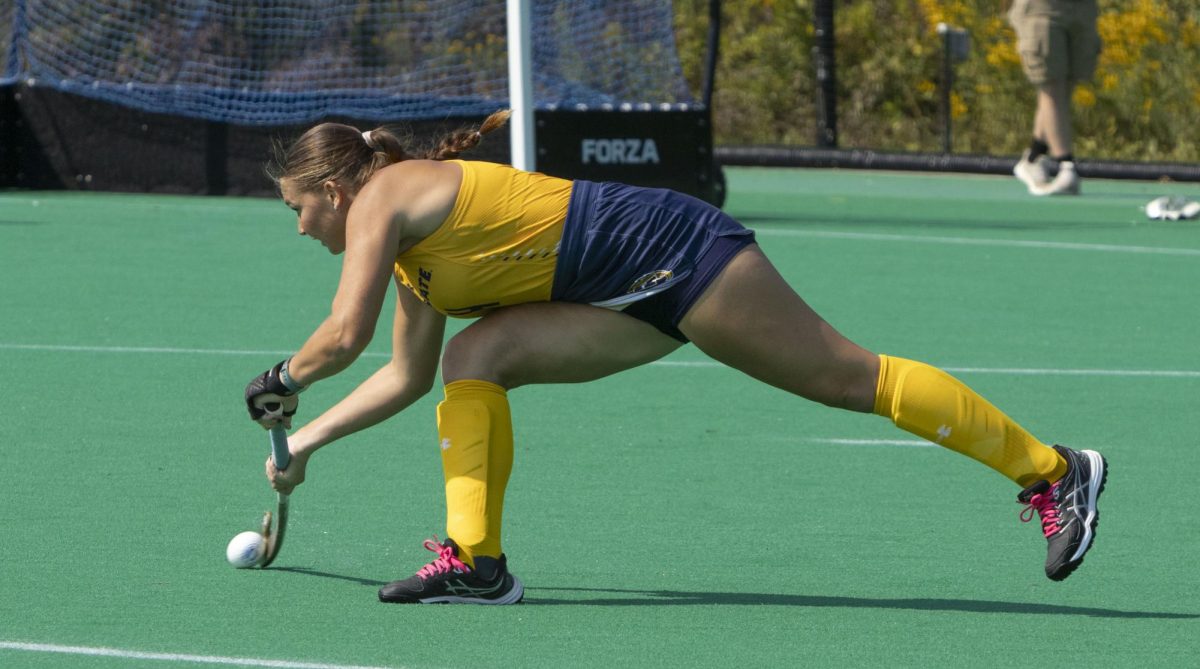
(448,580)
(1060,484)
(750,319)
(1068,509)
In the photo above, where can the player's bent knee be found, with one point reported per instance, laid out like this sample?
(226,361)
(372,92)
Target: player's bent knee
(466,356)
(483,351)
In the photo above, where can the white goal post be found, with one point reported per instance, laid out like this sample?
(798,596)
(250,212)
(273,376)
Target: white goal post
(520,85)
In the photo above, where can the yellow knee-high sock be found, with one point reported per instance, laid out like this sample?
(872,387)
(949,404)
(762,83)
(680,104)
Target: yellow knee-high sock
(933,405)
(475,429)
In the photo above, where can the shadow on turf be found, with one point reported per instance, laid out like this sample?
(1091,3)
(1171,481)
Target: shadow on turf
(976,221)
(671,598)
(325,574)
(615,597)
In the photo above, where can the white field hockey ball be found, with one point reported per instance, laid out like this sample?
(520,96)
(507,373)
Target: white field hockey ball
(246,549)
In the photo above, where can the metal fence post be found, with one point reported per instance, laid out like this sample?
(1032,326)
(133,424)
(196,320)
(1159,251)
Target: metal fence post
(956,46)
(825,63)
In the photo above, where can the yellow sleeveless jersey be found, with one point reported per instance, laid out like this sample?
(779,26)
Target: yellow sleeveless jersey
(498,246)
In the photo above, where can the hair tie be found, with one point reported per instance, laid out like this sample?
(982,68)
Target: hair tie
(367,138)
(478,136)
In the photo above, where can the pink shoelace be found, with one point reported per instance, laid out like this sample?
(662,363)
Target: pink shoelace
(1045,507)
(445,561)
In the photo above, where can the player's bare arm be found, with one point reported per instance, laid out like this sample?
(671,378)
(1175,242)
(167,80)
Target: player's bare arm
(417,335)
(372,236)
(403,204)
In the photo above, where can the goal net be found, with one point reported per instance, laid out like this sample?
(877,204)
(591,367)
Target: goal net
(272,62)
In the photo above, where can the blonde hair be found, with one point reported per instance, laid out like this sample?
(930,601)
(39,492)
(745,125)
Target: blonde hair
(339,152)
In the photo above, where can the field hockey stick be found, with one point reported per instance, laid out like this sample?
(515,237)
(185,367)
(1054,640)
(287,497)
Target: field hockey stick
(282,457)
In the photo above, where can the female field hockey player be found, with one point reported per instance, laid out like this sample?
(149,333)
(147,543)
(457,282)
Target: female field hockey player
(569,282)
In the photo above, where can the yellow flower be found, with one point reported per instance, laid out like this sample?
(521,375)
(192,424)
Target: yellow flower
(1083,96)
(1189,34)
(955,13)
(1128,33)
(933,12)
(958,107)
(1002,54)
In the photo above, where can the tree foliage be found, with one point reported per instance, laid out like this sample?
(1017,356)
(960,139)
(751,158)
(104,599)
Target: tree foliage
(1141,104)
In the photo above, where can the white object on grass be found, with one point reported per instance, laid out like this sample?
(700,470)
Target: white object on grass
(246,549)
(1172,208)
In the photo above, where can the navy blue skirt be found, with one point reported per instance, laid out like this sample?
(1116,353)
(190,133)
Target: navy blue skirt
(650,252)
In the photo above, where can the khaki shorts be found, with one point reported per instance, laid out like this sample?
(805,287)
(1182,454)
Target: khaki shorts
(1057,39)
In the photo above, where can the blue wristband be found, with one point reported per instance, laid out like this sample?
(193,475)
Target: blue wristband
(288,380)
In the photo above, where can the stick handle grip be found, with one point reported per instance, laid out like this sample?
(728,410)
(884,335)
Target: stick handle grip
(279,448)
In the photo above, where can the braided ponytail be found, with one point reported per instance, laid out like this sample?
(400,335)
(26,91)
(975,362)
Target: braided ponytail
(341,152)
(453,144)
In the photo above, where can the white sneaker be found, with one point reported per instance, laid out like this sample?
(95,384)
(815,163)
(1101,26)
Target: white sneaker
(1066,182)
(1172,208)
(1033,173)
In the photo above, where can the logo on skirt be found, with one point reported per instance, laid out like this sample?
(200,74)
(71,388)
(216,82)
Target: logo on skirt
(650,280)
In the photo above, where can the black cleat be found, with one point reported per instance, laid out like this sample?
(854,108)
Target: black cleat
(1068,509)
(447,580)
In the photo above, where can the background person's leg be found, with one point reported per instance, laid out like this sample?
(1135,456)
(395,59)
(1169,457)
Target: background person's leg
(1053,121)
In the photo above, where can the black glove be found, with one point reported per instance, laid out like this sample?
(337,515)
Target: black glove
(268,388)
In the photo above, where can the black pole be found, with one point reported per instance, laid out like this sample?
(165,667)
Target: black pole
(11,157)
(216,158)
(712,177)
(947,86)
(825,63)
(714,41)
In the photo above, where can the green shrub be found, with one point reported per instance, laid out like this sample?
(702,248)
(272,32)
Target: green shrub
(1141,105)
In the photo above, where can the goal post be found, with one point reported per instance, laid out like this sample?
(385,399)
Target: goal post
(520,85)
